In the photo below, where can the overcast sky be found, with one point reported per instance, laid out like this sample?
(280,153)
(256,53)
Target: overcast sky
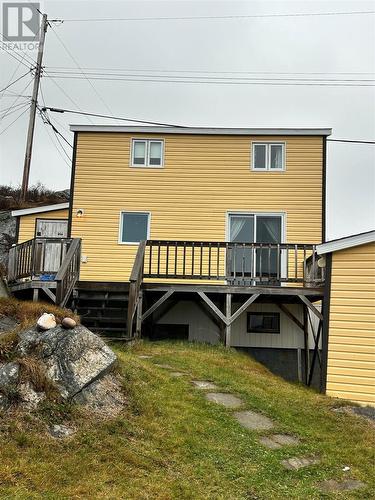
(320,47)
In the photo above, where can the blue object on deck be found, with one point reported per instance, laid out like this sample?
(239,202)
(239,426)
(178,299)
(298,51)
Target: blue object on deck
(47,277)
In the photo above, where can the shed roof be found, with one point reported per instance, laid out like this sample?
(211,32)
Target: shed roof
(37,210)
(346,242)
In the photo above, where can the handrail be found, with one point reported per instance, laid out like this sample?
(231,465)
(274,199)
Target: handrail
(68,273)
(234,262)
(136,279)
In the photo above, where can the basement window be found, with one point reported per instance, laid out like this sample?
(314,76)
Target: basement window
(259,322)
(147,153)
(268,156)
(134,227)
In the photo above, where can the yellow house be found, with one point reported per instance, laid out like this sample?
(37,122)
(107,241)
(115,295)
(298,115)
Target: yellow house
(205,232)
(350,325)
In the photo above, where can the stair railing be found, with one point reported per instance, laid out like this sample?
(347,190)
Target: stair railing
(68,274)
(136,279)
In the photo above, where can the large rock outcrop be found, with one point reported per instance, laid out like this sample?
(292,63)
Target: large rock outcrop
(76,363)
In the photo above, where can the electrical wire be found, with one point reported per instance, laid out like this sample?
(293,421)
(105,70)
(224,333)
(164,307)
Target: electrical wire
(80,69)
(352,141)
(84,113)
(250,16)
(15,81)
(18,98)
(14,110)
(14,121)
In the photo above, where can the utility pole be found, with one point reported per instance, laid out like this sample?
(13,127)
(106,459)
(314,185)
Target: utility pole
(34,101)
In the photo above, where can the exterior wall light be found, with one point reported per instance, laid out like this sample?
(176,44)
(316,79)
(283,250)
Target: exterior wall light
(80,212)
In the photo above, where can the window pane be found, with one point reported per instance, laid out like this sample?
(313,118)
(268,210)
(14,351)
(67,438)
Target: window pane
(134,227)
(155,153)
(259,160)
(242,228)
(139,152)
(276,156)
(268,231)
(263,322)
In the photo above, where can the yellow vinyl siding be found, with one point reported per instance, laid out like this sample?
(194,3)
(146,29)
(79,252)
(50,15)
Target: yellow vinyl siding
(203,178)
(351,349)
(27,222)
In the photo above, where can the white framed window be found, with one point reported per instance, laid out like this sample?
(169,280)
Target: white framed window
(268,156)
(134,227)
(147,153)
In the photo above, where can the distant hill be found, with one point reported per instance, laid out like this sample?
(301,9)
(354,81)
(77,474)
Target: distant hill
(37,195)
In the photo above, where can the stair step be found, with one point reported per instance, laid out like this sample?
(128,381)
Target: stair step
(108,320)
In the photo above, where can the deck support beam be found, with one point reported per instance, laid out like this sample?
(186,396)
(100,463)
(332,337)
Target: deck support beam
(158,303)
(311,306)
(214,308)
(49,294)
(228,327)
(138,326)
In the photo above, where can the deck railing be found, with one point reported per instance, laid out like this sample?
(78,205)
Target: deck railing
(68,273)
(37,257)
(246,264)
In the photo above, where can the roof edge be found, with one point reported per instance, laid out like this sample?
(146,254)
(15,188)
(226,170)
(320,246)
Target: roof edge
(346,242)
(201,130)
(41,209)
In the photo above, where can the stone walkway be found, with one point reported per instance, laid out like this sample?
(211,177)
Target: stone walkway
(258,422)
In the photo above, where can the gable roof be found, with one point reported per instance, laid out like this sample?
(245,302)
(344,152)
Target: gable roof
(37,210)
(201,130)
(346,242)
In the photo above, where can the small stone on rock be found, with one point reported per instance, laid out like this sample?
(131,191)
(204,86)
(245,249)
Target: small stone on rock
(46,321)
(59,431)
(68,323)
(222,398)
(297,463)
(332,485)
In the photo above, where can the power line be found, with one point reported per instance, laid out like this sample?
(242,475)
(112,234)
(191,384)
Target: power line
(54,145)
(251,16)
(80,69)
(47,120)
(218,81)
(352,141)
(15,81)
(211,78)
(84,113)
(18,97)
(212,72)
(14,121)
(13,110)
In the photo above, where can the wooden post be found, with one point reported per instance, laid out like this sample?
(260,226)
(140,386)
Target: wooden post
(138,328)
(228,313)
(35,294)
(306,342)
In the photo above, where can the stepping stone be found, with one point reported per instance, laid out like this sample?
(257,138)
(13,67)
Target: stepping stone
(177,374)
(166,367)
(278,440)
(204,384)
(144,356)
(297,463)
(225,399)
(253,421)
(332,485)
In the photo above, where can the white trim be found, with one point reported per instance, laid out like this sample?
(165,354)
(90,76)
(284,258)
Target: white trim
(201,130)
(268,145)
(147,152)
(144,212)
(347,242)
(37,210)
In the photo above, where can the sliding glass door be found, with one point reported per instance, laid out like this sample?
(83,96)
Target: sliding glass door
(245,261)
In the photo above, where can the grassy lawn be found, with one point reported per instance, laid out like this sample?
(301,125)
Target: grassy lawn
(170,443)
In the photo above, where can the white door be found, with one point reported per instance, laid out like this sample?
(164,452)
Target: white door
(54,251)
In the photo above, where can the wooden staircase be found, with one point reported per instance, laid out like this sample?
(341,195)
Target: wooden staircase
(102,311)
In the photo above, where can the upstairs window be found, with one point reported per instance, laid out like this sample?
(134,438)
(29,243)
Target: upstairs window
(147,153)
(134,227)
(268,156)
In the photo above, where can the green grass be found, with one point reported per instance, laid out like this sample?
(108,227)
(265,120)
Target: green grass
(170,443)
